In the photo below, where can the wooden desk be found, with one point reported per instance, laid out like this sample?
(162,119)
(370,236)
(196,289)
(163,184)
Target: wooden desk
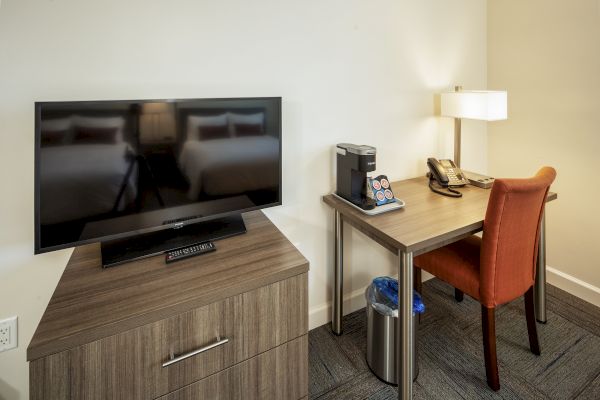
(427,222)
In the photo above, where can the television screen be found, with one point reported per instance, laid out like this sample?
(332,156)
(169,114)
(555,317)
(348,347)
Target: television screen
(110,169)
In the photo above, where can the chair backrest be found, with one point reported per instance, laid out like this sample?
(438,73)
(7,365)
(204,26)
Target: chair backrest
(510,236)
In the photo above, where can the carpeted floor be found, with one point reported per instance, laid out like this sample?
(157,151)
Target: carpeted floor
(451,353)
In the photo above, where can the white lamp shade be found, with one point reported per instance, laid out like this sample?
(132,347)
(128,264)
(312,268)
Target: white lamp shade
(475,104)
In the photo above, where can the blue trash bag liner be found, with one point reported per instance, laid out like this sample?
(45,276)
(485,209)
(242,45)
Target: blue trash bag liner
(382,295)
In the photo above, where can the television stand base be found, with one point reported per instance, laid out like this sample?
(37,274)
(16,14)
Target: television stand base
(120,251)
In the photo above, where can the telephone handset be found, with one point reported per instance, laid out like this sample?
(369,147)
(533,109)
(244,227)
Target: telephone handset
(447,175)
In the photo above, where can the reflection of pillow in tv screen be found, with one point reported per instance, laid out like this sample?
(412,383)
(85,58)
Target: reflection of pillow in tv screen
(248,129)
(210,121)
(89,135)
(208,132)
(56,124)
(53,138)
(114,122)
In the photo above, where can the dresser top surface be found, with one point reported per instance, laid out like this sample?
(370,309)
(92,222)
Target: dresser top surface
(90,302)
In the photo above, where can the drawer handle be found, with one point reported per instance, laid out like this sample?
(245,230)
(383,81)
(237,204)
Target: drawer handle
(173,359)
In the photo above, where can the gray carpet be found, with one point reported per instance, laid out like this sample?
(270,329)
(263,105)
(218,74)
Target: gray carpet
(451,353)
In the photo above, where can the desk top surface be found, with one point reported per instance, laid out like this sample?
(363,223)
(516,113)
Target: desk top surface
(90,302)
(428,220)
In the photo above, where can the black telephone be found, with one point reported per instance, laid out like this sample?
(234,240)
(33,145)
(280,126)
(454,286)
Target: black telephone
(447,175)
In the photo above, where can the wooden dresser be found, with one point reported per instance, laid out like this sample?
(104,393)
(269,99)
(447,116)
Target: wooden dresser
(110,333)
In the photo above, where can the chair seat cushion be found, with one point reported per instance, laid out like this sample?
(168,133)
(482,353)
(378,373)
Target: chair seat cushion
(457,264)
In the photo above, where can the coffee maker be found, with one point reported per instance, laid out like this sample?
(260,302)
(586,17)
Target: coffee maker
(353,163)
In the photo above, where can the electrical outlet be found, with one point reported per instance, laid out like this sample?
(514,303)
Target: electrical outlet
(8,334)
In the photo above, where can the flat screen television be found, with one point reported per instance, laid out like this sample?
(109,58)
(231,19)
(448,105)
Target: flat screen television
(146,176)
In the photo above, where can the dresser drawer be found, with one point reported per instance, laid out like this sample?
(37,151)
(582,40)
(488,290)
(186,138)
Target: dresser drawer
(130,365)
(280,373)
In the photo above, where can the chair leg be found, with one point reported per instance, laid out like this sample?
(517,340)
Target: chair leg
(458,295)
(488,323)
(417,282)
(534,344)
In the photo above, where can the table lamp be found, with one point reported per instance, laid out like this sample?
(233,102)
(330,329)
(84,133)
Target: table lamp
(482,105)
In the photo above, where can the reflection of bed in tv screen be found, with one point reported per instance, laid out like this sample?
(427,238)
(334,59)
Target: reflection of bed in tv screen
(111,170)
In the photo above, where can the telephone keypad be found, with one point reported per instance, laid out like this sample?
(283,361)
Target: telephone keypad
(455,178)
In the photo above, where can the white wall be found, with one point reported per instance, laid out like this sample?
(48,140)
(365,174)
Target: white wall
(348,70)
(547,55)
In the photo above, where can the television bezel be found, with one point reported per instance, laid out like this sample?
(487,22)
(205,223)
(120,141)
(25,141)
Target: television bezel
(175,225)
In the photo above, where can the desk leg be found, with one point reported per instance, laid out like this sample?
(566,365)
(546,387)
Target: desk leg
(338,292)
(404,349)
(540,275)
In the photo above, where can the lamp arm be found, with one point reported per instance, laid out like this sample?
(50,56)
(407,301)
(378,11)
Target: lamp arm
(457,140)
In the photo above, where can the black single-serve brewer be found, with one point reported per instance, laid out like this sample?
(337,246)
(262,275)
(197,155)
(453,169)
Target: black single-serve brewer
(353,163)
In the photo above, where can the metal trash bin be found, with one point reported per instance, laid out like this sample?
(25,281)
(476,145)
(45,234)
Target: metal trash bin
(381,334)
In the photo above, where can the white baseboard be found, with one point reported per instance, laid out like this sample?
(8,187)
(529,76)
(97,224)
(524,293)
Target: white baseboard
(321,314)
(355,300)
(575,286)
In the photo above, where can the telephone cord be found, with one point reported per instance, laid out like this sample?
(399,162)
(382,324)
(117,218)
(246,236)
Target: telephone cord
(453,193)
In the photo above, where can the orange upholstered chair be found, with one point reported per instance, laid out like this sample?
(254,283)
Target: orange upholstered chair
(500,267)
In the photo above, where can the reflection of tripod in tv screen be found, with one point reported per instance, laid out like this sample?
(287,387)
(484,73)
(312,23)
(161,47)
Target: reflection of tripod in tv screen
(140,161)
(137,159)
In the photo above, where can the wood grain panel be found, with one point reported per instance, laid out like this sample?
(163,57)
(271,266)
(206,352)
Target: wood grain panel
(49,377)
(91,303)
(128,365)
(280,373)
(428,220)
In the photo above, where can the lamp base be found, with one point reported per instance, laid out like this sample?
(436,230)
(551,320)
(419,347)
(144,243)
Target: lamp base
(482,181)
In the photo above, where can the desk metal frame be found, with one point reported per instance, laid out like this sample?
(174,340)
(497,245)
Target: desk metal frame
(405,285)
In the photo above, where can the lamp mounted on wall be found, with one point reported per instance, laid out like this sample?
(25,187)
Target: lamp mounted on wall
(484,105)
